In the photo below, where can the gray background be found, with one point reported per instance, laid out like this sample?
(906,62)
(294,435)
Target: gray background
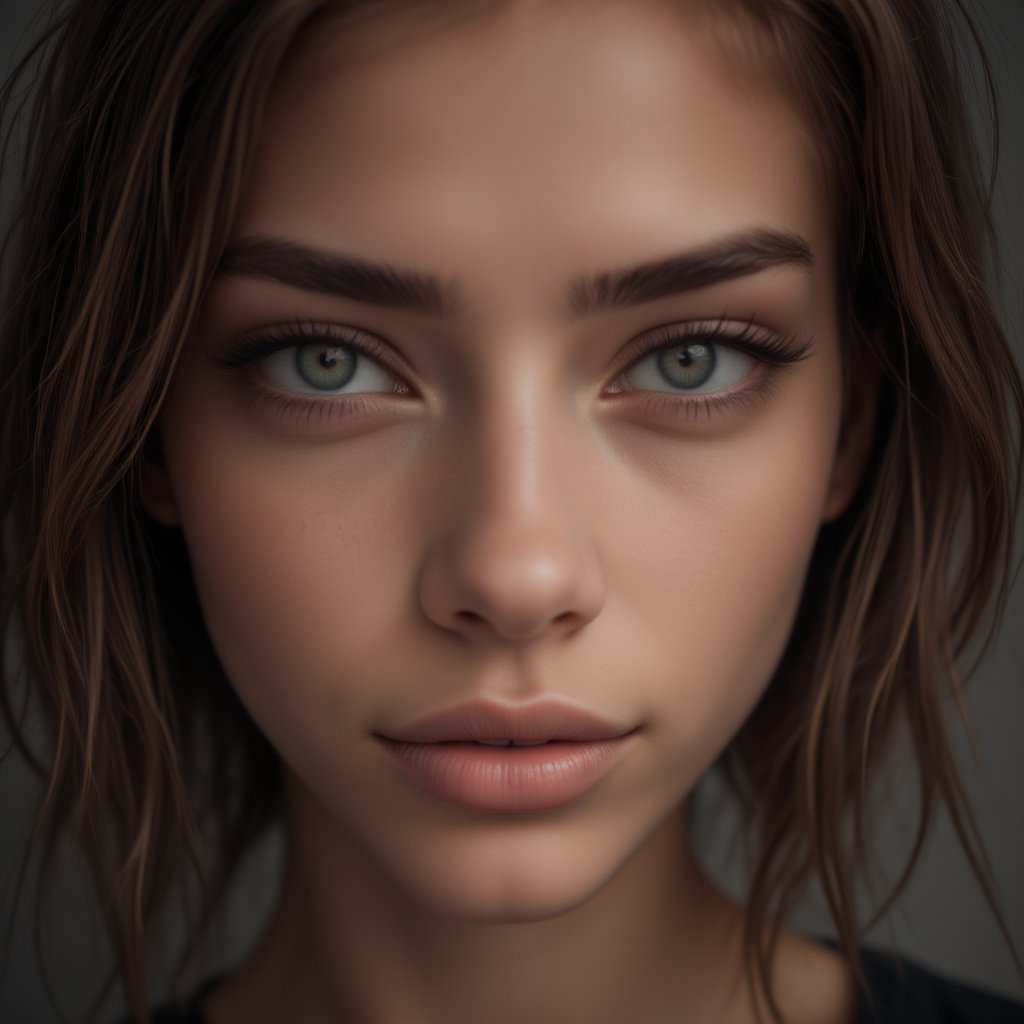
(942,920)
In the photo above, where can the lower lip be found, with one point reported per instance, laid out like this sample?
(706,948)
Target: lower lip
(486,778)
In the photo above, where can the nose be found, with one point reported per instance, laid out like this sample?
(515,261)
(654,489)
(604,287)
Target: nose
(512,559)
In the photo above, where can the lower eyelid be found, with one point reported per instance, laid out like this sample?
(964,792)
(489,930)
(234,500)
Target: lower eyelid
(695,409)
(345,412)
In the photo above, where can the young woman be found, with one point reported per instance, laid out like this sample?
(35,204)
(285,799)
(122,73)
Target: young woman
(454,427)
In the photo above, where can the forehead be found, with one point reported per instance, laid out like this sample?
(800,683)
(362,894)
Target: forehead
(438,133)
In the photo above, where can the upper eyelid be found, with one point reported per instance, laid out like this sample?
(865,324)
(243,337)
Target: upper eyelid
(723,328)
(258,344)
(719,330)
(757,340)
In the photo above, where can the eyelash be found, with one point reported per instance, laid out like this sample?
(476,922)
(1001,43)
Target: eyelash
(773,351)
(252,347)
(769,349)
(309,410)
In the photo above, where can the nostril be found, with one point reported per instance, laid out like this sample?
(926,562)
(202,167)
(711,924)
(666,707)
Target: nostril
(466,618)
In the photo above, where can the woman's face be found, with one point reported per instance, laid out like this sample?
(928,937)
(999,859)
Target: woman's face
(520,388)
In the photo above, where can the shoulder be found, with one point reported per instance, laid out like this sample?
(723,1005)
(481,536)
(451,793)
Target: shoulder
(904,992)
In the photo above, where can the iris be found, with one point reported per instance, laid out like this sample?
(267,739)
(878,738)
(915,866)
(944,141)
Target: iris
(687,366)
(326,367)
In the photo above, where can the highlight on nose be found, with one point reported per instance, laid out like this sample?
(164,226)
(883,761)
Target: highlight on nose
(511,585)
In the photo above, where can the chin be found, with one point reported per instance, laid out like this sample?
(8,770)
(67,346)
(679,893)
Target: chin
(498,900)
(509,876)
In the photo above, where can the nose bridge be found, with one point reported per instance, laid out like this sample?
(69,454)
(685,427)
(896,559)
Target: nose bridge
(512,557)
(516,459)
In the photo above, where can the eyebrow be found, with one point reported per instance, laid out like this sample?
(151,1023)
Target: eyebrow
(381,284)
(378,284)
(729,257)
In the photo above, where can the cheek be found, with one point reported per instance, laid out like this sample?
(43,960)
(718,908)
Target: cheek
(762,543)
(720,568)
(297,557)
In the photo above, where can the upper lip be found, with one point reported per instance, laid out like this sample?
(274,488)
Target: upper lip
(523,723)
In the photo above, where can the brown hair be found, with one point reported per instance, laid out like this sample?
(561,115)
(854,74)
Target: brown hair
(142,126)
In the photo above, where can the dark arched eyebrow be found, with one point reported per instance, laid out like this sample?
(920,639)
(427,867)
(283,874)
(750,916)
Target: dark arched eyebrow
(381,284)
(378,284)
(725,258)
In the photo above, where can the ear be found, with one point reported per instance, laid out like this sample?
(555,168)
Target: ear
(156,495)
(856,437)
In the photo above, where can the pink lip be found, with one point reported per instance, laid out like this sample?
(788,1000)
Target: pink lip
(438,754)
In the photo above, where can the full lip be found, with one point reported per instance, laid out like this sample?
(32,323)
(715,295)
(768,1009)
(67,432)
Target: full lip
(539,721)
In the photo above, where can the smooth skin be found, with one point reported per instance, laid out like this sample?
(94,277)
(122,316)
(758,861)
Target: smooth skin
(513,501)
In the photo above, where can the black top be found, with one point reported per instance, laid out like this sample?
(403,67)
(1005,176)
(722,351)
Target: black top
(902,993)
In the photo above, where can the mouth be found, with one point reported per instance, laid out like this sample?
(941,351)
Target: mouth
(486,756)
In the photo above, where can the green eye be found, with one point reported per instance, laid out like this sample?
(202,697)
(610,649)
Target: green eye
(322,366)
(693,366)
(325,367)
(687,366)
